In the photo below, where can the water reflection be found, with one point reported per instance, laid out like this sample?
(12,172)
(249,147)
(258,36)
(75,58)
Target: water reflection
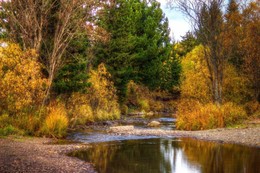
(171,156)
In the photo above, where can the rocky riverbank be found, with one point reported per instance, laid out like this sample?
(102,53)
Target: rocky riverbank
(37,155)
(249,136)
(29,155)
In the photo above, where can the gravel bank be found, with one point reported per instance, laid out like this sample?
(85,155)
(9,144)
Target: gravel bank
(36,155)
(244,136)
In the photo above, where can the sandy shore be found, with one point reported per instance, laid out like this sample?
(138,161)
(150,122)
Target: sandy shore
(36,155)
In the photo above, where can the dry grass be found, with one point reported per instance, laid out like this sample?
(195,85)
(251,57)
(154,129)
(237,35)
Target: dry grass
(197,116)
(56,123)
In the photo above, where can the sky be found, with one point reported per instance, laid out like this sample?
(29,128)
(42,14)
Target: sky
(178,24)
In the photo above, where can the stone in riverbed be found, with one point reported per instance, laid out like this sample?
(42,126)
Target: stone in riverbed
(121,128)
(154,124)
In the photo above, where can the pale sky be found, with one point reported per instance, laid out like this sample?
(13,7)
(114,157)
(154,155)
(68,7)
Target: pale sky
(177,22)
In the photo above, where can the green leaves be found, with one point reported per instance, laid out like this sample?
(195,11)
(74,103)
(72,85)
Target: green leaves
(139,44)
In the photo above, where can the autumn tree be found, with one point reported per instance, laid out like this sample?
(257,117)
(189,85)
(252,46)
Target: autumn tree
(48,26)
(207,20)
(250,45)
(22,85)
(195,78)
(232,35)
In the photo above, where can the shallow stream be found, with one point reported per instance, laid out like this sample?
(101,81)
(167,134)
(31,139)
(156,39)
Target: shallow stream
(150,154)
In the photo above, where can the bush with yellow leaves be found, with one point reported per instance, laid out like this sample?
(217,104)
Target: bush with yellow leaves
(195,81)
(21,83)
(99,103)
(138,97)
(102,95)
(236,87)
(196,110)
(192,115)
(56,122)
(79,109)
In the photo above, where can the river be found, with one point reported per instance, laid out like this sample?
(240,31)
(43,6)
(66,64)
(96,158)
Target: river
(113,153)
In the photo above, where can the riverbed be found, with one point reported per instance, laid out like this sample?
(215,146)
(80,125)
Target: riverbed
(143,148)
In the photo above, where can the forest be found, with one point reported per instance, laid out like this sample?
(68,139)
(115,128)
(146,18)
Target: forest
(68,63)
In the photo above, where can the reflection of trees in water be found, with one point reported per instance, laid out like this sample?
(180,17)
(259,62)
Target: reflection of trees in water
(172,155)
(100,154)
(168,156)
(217,158)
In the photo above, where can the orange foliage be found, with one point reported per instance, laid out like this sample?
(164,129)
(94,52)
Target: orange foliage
(21,82)
(192,115)
(250,45)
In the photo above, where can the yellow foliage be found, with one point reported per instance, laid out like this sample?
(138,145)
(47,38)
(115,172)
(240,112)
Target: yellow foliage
(21,83)
(30,124)
(102,95)
(253,108)
(192,115)
(195,78)
(56,123)
(5,120)
(138,96)
(99,103)
(79,109)
(235,86)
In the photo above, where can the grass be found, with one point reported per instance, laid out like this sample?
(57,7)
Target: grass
(56,123)
(10,130)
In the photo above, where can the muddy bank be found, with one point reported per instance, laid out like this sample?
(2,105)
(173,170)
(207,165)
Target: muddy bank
(29,155)
(245,136)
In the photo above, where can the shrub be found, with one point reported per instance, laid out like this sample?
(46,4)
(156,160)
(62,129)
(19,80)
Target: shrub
(253,108)
(10,130)
(144,104)
(21,83)
(30,124)
(138,97)
(197,116)
(79,109)
(233,113)
(99,103)
(5,120)
(102,95)
(22,123)
(56,122)
(236,87)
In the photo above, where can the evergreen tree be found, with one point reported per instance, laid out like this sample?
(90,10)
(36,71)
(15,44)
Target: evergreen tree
(73,76)
(187,44)
(139,44)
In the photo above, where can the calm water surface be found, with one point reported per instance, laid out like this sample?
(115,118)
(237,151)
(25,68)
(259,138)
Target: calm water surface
(170,155)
